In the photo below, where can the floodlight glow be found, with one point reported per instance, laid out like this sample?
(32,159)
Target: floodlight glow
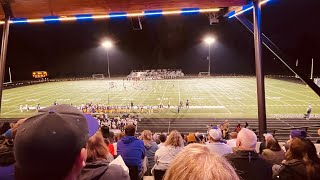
(107,44)
(209,40)
(245,9)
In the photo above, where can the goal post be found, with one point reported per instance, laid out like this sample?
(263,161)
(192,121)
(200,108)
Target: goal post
(203,74)
(97,76)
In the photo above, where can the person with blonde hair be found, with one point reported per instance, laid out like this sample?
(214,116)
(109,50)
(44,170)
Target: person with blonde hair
(165,155)
(150,149)
(197,162)
(97,165)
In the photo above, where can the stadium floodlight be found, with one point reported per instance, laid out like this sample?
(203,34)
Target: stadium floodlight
(107,44)
(209,40)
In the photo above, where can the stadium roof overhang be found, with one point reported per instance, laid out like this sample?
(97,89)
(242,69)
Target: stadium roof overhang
(71,9)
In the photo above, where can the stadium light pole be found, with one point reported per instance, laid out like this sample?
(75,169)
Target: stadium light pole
(107,44)
(209,40)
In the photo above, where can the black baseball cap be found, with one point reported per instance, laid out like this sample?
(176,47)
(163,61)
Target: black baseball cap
(51,140)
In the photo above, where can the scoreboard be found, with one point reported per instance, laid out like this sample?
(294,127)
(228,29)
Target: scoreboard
(39,74)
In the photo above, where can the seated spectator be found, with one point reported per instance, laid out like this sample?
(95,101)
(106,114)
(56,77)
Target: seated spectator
(233,139)
(150,149)
(162,139)
(155,138)
(6,153)
(106,135)
(273,152)
(197,162)
(247,163)
(301,162)
(131,149)
(215,145)
(295,133)
(97,164)
(263,145)
(191,138)
(116,139)
(52,144)
(165,155)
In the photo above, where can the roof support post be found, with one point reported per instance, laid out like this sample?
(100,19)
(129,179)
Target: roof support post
(3,56)
(259,68)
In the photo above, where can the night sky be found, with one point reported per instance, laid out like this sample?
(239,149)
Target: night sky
(73,48)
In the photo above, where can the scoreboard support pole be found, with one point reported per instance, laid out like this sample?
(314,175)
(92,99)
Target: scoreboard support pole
(3,56)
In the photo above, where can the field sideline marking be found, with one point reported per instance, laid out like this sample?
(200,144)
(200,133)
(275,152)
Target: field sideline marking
(281,95)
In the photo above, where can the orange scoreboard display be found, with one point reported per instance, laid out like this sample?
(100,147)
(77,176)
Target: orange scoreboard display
(39,74)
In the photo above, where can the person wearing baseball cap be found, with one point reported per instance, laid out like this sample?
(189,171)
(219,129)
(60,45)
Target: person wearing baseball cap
(215,145)
(52,143)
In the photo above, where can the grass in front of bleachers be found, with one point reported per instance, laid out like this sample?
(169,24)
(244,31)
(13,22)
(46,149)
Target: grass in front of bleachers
(217,97)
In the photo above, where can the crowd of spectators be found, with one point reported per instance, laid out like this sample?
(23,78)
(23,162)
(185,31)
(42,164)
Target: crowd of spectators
(155,74)
(63,143)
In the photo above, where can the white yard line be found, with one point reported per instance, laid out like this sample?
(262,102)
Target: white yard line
(164,93)
(277,93)
(147,96)
(218,100)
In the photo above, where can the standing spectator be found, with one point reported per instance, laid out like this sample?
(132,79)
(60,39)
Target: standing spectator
(131,149)
(308,114)
(247,125)
(52,144)
(197,162)
(238,128)
(273,152)
(165,155)
(97,164)
(106,135)
(225,129)
(162,139)
(248,164)
(301,162)
(318,141)
(215,145)
(150,147)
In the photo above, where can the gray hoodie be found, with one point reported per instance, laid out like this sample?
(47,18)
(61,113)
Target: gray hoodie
(100,170)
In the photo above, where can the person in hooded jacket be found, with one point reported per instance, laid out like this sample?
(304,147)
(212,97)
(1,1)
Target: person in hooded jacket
(131,149)
(97,163)
(301,162)
(151,148)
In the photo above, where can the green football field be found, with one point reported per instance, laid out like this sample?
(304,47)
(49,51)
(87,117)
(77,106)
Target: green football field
(217,97)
